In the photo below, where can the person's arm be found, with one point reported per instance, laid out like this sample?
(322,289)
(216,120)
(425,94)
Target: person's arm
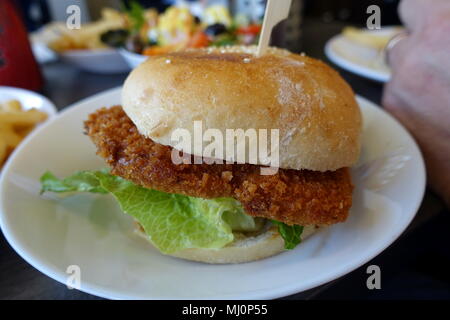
(418,93)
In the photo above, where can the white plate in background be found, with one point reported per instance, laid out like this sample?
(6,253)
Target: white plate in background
(28,99)
(91,232)
(360,59)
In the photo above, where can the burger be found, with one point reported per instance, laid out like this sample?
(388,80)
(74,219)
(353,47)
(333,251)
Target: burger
(226,210)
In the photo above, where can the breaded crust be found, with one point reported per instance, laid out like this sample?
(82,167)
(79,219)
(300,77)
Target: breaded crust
(300,197)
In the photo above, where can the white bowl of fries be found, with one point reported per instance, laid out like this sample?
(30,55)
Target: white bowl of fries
(83,47)
(20,112)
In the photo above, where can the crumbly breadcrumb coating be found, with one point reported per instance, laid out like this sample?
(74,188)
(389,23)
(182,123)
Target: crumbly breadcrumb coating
(300,197)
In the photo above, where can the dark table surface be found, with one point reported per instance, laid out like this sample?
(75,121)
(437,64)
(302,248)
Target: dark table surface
(65,85)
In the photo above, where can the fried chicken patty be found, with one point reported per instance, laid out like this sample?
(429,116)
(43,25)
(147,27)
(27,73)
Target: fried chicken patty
(300,197)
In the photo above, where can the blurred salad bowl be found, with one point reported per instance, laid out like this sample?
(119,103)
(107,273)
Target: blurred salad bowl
(131,58)
(148,33)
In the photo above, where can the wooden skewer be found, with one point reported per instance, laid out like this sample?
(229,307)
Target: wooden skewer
(276,11)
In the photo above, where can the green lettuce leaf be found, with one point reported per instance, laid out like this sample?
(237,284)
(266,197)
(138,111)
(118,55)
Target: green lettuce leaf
(172,222)
(83,181)
(136,15)
(290,234)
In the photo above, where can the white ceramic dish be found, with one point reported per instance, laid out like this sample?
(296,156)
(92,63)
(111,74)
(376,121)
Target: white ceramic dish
(40,39)
(43,53)
(104,61)
(360,59)
(28,99)
(91,232)
(132,59)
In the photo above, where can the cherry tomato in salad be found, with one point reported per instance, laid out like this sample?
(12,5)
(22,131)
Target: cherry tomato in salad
(252,29)
(199,40)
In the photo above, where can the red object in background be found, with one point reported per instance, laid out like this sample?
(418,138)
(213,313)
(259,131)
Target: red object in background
(18,68)
(253,29)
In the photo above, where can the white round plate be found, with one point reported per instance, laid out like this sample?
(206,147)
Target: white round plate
(28,99)
(90,231)
(102,61)
(360,59)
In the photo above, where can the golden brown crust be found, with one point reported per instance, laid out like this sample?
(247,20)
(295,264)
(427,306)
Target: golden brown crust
(292,196)
(313,108)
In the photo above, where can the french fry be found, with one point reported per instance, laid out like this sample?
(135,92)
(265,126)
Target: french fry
(111,14)
(88,36)
(22,118)
(24,130)
(9,136)
(3,151)
(377,41)
(15,124)
(11,105)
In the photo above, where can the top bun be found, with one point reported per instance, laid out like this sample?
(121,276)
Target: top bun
(314,109)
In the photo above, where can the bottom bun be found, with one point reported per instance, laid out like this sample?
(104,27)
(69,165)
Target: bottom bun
(244,248)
